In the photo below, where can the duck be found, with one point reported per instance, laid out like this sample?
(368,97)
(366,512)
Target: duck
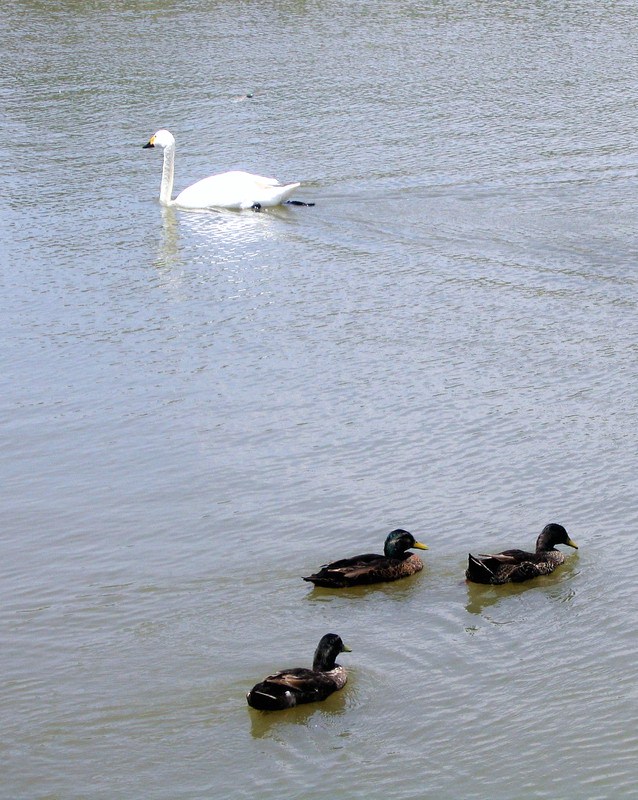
(517,565)
(368,568)
(238,190)
(290,687)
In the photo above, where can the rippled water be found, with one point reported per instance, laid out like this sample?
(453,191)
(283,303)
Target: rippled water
(200,408)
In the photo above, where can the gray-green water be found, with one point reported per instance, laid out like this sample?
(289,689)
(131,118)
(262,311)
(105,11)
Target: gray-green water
(199,408)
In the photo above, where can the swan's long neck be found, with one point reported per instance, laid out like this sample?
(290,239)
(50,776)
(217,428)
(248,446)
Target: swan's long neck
(168,170)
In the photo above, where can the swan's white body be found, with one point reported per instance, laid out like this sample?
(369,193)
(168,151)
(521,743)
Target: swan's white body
(227,190)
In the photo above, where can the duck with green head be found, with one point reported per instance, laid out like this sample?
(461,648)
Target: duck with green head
(290,687)
(395,563)
(518,565)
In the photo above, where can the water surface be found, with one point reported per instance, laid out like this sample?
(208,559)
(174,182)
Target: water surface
(200,408)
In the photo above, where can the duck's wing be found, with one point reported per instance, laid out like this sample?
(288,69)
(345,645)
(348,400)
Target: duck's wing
(294,677)
(511,565)
(493,568)
(355,562)
(509,556)
(347,570)
(289,687)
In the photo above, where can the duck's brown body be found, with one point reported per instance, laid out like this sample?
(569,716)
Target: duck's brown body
(290,687)
(365,569)
(369,568)
(518,565)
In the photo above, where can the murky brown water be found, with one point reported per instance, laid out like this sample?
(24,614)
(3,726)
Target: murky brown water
(200,408)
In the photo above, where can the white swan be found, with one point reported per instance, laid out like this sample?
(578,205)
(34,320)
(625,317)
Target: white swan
(227,190)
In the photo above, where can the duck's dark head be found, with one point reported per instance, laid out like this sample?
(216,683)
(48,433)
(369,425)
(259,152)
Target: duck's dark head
(399,541)
(327,651)
(553,534)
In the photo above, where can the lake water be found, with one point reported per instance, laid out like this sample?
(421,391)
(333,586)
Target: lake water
(199,408)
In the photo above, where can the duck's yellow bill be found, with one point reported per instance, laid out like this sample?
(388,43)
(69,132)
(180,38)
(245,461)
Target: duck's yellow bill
(571,543)
(420,546)
(346,649)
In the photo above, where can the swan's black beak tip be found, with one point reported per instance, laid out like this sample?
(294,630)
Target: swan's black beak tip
(148,144)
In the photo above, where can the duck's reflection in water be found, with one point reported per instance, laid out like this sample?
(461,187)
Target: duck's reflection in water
(264,724)
(557,586)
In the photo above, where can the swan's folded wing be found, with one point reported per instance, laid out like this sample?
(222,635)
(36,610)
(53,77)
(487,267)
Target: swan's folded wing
(234,189)
(261,180)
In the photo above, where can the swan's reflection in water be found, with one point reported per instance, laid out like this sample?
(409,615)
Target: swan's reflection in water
(217,237)
(168,252)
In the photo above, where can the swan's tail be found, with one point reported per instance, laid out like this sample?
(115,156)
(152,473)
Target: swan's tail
(273,194)
(280,194)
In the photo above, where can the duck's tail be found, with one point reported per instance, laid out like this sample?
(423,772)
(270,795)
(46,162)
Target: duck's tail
(327,580)
(477,570)
(270,697)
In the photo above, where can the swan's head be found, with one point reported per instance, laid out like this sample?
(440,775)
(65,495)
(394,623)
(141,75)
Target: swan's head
(162,138)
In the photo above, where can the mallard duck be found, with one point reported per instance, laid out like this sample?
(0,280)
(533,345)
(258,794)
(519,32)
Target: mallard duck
(372,567)
(517,565)
(227,190)
(290,687)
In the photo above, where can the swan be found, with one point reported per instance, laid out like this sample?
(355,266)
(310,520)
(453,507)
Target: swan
(227,190)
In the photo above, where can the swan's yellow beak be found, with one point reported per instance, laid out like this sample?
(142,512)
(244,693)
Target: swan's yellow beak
(571,543)
(150,143)
(420,546)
